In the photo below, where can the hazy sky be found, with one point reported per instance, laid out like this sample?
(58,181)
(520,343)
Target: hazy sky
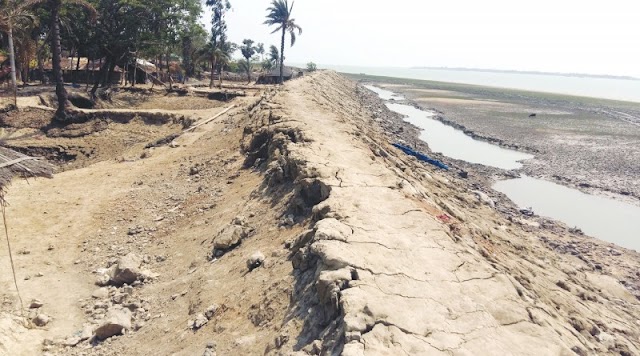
(600,37)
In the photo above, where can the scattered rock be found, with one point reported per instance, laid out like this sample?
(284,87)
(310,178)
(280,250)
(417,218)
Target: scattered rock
(100,293)
(72,341)
(239,220)
(256,260)
(607,340)
(288,220)
(483,197)
(199,322)
(209,352)
(116,323)
(211,310)
(41,320)
(230,236)
(87,332)
(35,304)
(135,230)
(127,270)
(102,279)
(527,212)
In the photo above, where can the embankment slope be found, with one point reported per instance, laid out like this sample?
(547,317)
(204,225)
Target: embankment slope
(395,278)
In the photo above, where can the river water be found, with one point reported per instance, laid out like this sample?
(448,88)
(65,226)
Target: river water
(608,88)
(601,217)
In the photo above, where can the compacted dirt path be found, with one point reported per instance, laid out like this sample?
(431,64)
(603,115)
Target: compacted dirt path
(290,226)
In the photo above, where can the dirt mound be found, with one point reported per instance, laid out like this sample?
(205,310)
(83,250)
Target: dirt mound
(145,99)
(90,137)
(26,118)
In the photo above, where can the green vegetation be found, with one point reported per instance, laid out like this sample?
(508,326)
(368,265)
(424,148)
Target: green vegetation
(15,15)
(120,33)
(311,67)
(248,50)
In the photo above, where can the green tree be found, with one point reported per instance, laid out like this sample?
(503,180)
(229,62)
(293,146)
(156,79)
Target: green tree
(218,58)
(193,36)
(260,50)
(15,13)
(248,50)
(246,66)
(312,67)
(218,32)
(279,14)
(274,55)
(267,65)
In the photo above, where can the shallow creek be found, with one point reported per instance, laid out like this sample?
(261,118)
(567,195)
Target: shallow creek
(601,217)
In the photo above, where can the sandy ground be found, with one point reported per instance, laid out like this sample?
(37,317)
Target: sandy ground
(366,251)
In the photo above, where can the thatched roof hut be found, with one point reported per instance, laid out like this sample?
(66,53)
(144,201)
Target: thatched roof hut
(273,76)
(14,164)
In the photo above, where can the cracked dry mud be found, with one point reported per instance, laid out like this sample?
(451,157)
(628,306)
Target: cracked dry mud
(368,252)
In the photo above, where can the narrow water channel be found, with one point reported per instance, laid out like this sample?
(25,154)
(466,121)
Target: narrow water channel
(601,217)
(455,143)
(384,94)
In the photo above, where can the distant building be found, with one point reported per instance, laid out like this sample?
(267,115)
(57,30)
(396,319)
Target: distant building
(144,71)
(82,70)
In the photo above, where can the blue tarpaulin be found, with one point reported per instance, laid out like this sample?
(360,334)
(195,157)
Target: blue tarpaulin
(421,157)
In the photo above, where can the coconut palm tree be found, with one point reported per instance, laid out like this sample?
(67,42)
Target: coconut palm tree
(14,13)
(55,6)
(248,50)
(274,55)
(279,14)
(260,50)
(218,57)
(246,66)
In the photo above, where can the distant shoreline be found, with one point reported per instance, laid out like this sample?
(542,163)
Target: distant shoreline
(575,75)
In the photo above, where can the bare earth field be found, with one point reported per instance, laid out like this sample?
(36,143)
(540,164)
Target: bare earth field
(287,226)
(591,144)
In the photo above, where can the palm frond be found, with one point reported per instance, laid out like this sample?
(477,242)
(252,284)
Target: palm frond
(279,28)
(292,34)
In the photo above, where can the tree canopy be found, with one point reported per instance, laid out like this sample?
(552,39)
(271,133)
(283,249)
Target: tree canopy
(113,33)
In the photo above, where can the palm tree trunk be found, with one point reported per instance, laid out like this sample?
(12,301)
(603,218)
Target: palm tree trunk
(248,70)
(41,63)
(75,72)
(284,29)
(61,92)
(135,71)
(12,60)
(73,81)
(213,70)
